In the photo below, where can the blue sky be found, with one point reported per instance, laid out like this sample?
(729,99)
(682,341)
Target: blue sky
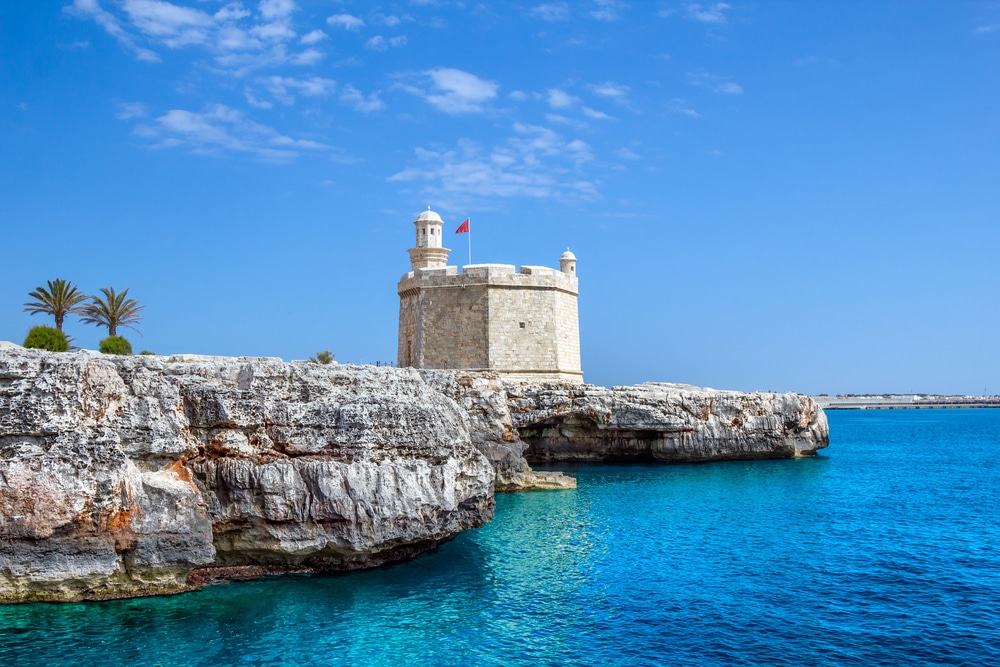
(773,195)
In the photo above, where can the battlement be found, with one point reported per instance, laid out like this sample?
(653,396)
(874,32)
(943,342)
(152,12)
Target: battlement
(497,275)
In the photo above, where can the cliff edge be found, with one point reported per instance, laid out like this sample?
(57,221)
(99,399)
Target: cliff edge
(123,476)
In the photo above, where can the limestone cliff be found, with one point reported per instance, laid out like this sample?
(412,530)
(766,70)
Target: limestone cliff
(139,475)
(123,476)
(663,422)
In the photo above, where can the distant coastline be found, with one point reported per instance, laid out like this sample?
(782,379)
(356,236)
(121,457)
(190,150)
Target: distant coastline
(903,401)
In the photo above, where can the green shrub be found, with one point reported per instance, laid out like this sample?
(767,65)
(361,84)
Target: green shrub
(116,345)
(148,353)
(324,357)
(47,338)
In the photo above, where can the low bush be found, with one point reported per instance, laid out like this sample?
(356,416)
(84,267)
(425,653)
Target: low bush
(47,338)
(116,345)
(148,353)
(324,357)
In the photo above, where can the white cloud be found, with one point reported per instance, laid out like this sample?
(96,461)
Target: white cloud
(231,12)
(517,95)
(551,11)
(559,119)
(276,9)
(679,105)
(607,11)
(714,83)
(559,99)
(285,88)
(711,13)
(110,23)
(380,43)
(130,110)
(535,162)
(346,21)
(273,31)
(242,41)
(313,37)
(254,102)
(626,154)
(307,57)
(173,25)
(221,130)
(611,90)
(391,20)
(594,113)
(987,28)
(454,91)
(357,100)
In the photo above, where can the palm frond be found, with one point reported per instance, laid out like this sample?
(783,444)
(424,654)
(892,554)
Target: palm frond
(112,311)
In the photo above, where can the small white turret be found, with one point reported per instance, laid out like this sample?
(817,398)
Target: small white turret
(567,263)
(428,252)
(428,226)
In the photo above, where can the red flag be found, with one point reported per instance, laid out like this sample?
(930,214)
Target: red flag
(464,227)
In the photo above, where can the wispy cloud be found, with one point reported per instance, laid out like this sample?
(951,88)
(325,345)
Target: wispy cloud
(357,100)
(708,13)
(380,43)
(129,110)
(284,88)
(559,119)
(346,21)
(453,90)
(241,40)
(626,154)
(680,106)
(594,113)
(611,90)
(559,99)
(987,28)
(221,130)
(313,37)
(535,162)
(551,11)
(607,10)
(276,9)
(92,10)
(714,83)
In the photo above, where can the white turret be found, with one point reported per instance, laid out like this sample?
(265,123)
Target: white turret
(567,263)
(428,252)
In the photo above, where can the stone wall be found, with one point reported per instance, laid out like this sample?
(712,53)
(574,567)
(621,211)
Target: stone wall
(490,318)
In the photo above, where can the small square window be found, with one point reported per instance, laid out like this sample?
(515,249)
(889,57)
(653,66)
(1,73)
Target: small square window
(520,325)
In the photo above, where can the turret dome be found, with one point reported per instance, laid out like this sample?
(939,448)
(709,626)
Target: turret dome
(567,255)
(429,216)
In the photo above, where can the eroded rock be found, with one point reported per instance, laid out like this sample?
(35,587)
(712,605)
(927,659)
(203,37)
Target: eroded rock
(123,476)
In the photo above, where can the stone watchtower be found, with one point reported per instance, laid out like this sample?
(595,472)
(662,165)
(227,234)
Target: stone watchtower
(522,325)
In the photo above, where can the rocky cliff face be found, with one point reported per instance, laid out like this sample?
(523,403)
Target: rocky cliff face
(140,475)
(123,476)
(663,422)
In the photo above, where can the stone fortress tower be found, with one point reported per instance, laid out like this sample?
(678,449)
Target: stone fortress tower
(522,325)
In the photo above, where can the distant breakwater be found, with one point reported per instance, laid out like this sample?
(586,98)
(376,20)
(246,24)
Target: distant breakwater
(905,402)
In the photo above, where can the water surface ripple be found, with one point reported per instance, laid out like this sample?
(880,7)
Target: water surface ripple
(883,551)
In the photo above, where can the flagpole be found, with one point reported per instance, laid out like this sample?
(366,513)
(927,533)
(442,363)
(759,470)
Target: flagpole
(470,239)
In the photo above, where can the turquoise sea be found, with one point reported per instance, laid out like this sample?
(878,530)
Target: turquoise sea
(885,550)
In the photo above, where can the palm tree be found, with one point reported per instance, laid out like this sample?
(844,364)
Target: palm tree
(59,300)
(113,311)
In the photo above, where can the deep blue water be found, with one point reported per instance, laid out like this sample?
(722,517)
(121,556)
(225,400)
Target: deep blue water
(882,551)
